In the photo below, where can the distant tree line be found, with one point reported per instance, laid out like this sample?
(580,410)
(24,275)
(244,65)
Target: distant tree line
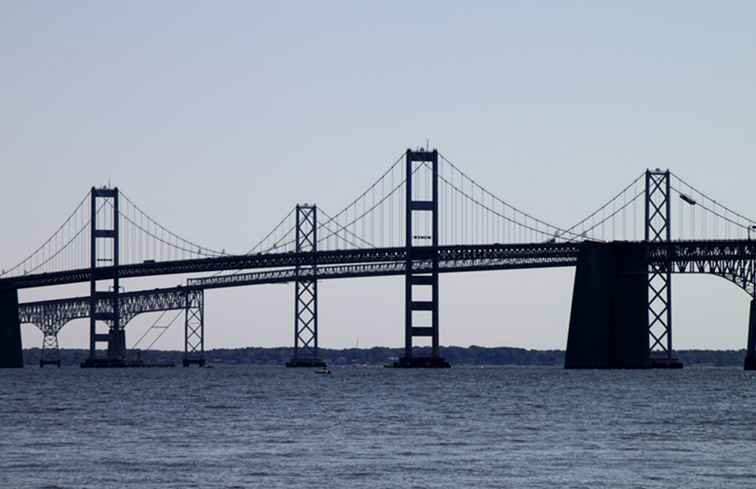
(472,355)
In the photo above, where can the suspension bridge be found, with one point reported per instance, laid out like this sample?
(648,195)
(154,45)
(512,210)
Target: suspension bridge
(422,218)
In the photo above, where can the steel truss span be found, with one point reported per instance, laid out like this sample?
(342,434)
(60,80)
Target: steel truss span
(294,259)
(60,311)
(52,315)
(732,260)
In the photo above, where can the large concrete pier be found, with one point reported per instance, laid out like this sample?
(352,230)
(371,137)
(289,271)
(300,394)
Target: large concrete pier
(750,359)
(609,321)
(11,355)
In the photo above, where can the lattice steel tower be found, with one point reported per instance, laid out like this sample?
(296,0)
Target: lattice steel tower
(659,229)
(306,291)
(50,346)
(194,328)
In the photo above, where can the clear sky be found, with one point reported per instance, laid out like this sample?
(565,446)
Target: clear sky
(216,117)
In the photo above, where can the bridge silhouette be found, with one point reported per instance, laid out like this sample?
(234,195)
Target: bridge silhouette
(423,217)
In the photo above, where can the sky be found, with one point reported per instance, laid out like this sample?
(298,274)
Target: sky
(217,117)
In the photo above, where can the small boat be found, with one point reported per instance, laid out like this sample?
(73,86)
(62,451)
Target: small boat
(323,371)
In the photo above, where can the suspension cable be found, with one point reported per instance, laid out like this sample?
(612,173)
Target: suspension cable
(705,196)
(340,228)
(52,236)
(168,231)
(369,210)
(370,188)
(503,202)
(714,212)
(609,202)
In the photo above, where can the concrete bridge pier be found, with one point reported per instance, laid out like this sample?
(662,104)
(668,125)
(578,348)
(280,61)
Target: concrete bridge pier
(117,345)
(750,359)
(609,318)
(11,355)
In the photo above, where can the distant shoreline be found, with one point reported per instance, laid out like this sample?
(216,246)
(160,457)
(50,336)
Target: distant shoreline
(472,355)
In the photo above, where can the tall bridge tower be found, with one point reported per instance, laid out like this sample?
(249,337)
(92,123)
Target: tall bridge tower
(658,228)
(421,315)
(104,263)
(306,291)
(194,328)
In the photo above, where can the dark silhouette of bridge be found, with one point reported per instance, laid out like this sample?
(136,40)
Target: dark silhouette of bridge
(422,218)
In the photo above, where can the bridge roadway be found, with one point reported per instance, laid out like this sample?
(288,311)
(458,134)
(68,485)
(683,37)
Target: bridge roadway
(536,252)
(61,311)
(732,260)
(720,257)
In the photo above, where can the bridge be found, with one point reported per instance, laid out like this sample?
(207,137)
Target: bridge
(422,218)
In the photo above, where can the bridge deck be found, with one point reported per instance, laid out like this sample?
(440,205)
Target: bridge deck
(683,252)
(282,260)
(733,260)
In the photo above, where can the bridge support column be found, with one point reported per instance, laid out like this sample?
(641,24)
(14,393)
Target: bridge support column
(750,359)
(659,228)
(104,239)
(194,328)
(306,292)
(421,273)
(11,355)
(50,347)
(609,321)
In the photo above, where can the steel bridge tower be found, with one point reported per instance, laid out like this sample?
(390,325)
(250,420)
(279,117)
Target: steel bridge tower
(306,291)
(194,328)
(421,248)
(104,252)
(658,211)
(50,346)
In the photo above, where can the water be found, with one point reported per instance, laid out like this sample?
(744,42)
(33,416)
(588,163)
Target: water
(232,427)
